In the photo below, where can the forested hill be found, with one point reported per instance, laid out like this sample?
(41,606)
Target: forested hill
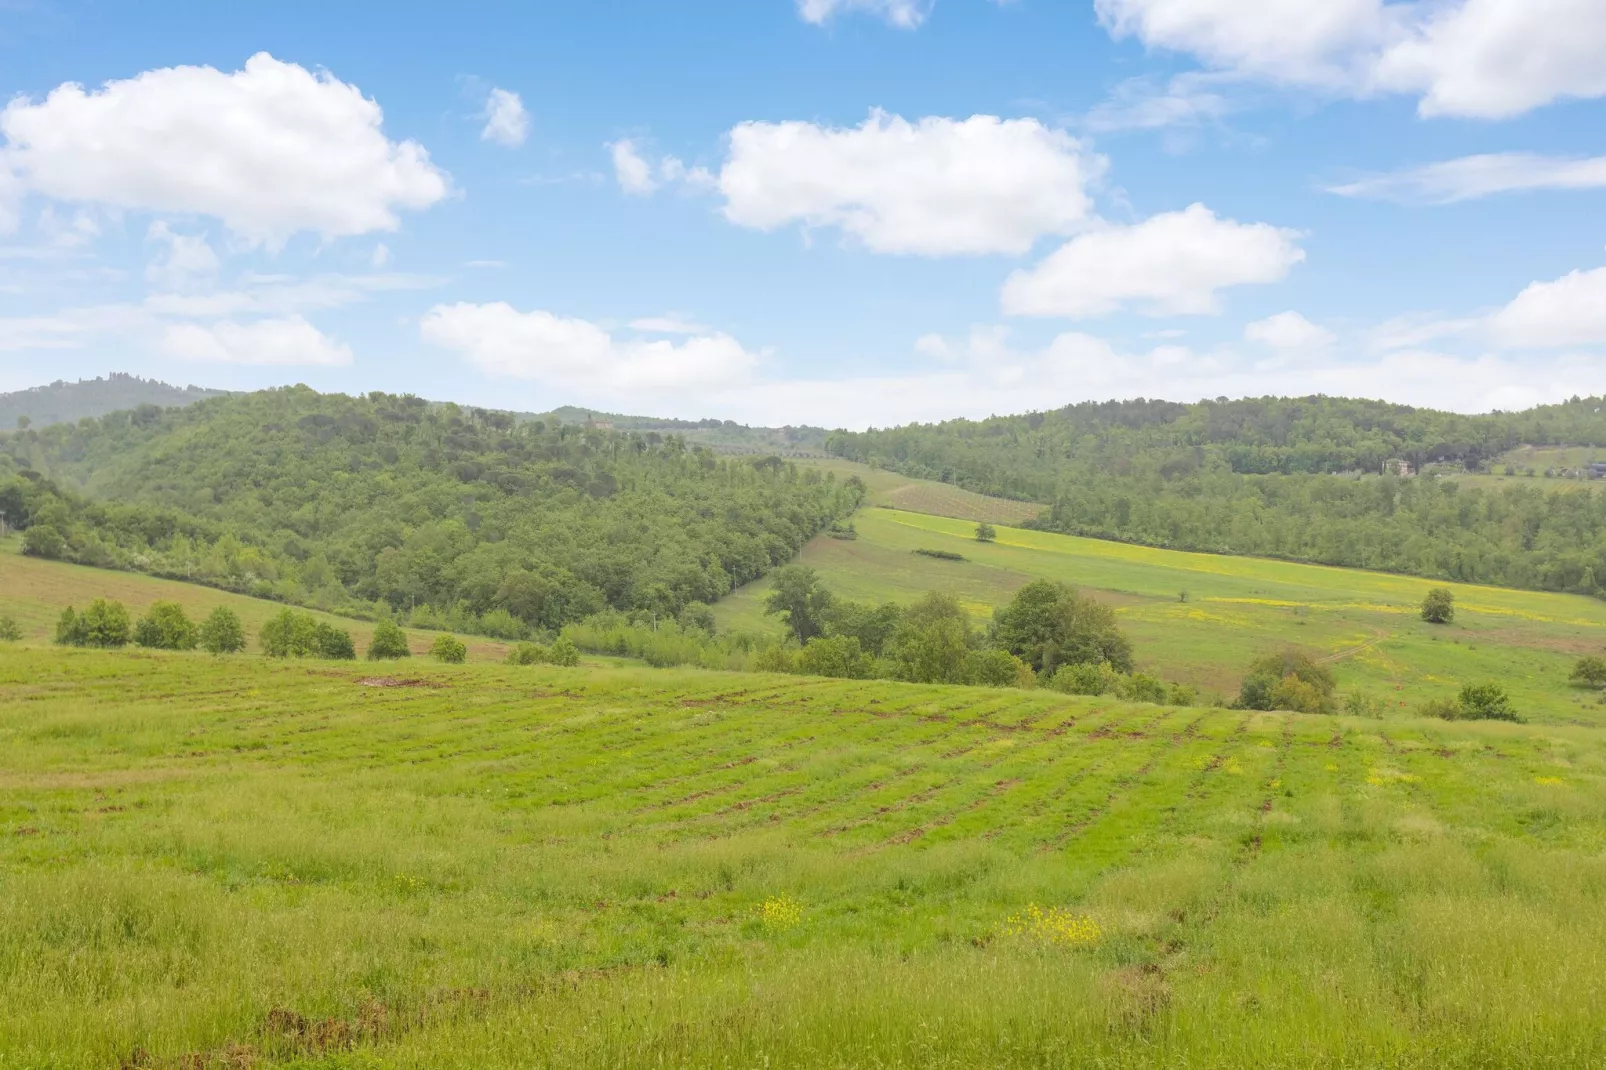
(1293,478)
(63,402)
(347,502)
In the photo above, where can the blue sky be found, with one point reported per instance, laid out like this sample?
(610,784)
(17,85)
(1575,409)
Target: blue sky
(840,212)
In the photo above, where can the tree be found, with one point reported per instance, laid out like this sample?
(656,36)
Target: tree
(839,656)
(696,616)
(1048,624)
(996,668)
(985,532)
(104,624)
(389,642)
(1439,606)
(221,632)
(1290,680)
(1590,671)
(9,631)
(166,626)
(450,649)
(1487,702)
(334,643)
(933,642)
(797,595)
(528,654)
(43,540)
(564,653)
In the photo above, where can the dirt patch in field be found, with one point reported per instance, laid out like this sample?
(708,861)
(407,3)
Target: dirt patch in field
(391,681)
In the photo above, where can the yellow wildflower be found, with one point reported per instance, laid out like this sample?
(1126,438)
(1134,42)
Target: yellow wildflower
(1056,926)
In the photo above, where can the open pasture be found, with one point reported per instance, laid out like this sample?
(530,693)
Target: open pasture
(1365,623)
(244,863)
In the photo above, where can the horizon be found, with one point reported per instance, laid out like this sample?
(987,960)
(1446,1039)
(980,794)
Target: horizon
(810,212)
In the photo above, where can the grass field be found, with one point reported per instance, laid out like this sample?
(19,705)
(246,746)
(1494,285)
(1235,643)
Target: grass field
(34,592)
(236,862)
(887,488)
(1365,623)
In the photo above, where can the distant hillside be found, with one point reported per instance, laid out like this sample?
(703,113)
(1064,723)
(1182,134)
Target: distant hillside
(721,436)
(63,403)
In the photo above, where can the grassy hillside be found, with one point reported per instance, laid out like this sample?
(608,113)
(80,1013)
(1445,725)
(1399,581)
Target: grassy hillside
(62,402)
(34,592)
(231,863)
(1365,623)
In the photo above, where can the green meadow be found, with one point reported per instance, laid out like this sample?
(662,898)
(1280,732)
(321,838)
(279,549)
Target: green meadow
(235,862)
(1201,618)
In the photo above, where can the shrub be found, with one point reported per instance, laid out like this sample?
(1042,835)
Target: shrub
(43,540)
(564,653)
(166,627)
(1439,606)
(1590,671)
(221,632)
(1085,679)
(985,532)
(450,649)
(289,634)
(1182,695)
(1487,702)
(940,555)
(1447,709)
(500,624)
(997,668)
(697,617)
(104,624)
(1290,680)
(389,642)
(528,654)
(9,631)
(334,643)
(1140,687)
(839,656)
(1360,704)
(777,659)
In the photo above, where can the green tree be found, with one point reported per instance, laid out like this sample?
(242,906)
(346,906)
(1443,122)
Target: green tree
(996,668)
(1439,606)
(528,654)
(1487,702)
(695,616)
(43,540)
(564,653)
(221,632)
(166,626)
(9,631)
(333,643)
(1590,671)
(104,624)
(450,649)
(1289,680)
(933,642)
(985,532)
(389,642)
(289,634)
(1048,624)
(839,656)
(797,595)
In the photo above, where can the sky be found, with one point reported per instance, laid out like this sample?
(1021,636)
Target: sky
(844,213)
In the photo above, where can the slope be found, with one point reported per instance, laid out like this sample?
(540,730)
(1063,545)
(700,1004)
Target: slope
(63,402)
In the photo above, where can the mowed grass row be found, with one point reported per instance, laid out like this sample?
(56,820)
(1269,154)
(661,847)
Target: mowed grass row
(1366,624)
(240,862)
(34,592)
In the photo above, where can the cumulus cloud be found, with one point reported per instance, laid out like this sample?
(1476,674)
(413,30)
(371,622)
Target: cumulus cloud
(903,13)
(934,187)
(1170,264)
(1471,177)
(580,355)
(506,121)
(631,168)
(1486,59)
(1570,311)
(290,340)
(1290,333)
(270,150)
(184,257)
(669,323)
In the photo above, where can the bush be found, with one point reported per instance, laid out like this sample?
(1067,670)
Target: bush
(1447,709)
(1439,606)
(940,555)
(1291,680)
(291,634)
(335,643)
(104,624)
(166,627)
(839,656)
(777,659)
(1487,702)
(43,540)
(450,649)
(1141,687)
(997,668)
(1590,671)
(697,617)
(9,631)
(1085,679)
(1360,704)
(528,654)
(565,653)
(221,632)
(985,532)
(389,642)
(1182,695)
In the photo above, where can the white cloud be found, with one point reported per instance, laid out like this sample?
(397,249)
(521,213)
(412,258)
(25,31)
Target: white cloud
(1571,311)
(506,121)
(669,323)
(1471,177)
(1169,264)
(290,340)
(1188,99)
(934,187)
(11,193)
(903,13)
(1290,333)
(270,150)
(631,168)
(581,356)
(380,256)
(1487,59)
(185,258)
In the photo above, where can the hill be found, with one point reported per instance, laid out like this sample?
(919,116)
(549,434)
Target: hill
(462,518)
(280,866)
(722,436)
(1201,619)
(64,402)
(1294,478)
